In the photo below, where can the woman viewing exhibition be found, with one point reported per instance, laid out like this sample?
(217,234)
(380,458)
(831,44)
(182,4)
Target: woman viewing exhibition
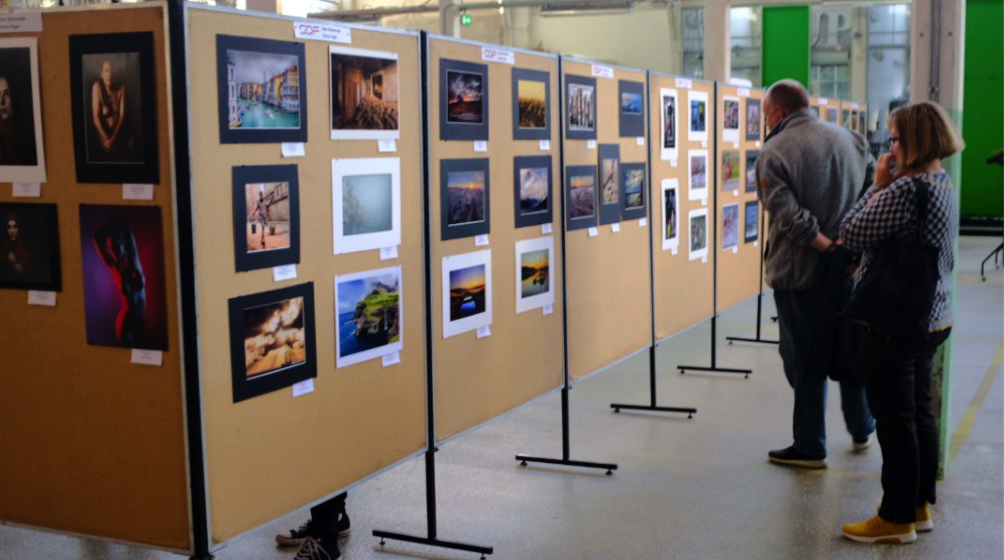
(897,367)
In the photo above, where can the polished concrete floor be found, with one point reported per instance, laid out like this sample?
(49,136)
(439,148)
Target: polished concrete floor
(691,489)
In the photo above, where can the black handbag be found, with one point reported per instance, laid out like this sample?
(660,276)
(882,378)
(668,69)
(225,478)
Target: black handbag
(896,294)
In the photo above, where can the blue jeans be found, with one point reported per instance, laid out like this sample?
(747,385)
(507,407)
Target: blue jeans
(810,351)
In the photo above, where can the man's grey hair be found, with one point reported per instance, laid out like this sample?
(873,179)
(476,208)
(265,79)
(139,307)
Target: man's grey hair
(788,95)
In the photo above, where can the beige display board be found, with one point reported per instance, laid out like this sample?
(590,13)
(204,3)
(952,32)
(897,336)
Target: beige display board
(91,443)
(819,103)
(274,453)
(608,275)
(854,111)
(477,379)
(684,288)
(739,267)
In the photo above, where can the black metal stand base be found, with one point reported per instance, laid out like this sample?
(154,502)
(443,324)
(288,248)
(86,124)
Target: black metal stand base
(732,339)
(386,535)
(690,412)
(609,467)
(684,369)
(206,557)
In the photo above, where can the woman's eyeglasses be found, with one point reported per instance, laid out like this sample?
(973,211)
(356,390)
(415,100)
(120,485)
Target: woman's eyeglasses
(892,141)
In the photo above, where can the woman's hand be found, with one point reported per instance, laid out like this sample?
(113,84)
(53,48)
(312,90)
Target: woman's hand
(884,175)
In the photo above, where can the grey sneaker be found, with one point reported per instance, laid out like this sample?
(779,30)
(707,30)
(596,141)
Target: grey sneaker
(861,445)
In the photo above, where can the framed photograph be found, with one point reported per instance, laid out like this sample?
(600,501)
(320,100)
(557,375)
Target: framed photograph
(534,288)
(698,131)
(365,204)
(730,119)
(368,315)
(610,183)
(634,191)
(668,136)
(580,197)
(266,216)
(463,100)
(533,188)
(831,115)
(465,198)
(632,114)
(697,167)
(731,170)
(364,94)
(863,123)
(752,156)
(670,214)
(580,107)
(698,226)
(125,295)
(262,87)
(114,106)
(845,119)
(730,226)
(531,104)
(752,222)
(22,157)
(272,340)
(467,292)
(753,118)
(29,247)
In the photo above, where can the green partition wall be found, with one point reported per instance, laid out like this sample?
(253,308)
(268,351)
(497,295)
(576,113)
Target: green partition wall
(786,44)
(982,185)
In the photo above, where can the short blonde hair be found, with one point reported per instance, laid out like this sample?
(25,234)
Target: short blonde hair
(926,133)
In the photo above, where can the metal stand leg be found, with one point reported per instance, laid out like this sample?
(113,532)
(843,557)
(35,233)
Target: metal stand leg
(565,447)
(983,265)
(654,406)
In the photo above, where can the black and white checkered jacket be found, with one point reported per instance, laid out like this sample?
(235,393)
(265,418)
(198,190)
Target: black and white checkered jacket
(894,214)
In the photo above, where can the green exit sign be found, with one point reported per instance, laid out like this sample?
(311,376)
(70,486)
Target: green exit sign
(465,20)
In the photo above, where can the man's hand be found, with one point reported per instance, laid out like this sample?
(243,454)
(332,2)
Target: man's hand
(821,243)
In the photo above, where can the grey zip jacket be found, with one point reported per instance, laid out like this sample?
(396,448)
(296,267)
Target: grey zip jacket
(810,174)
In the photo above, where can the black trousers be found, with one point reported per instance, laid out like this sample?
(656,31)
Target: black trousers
(325,514)
(898,381)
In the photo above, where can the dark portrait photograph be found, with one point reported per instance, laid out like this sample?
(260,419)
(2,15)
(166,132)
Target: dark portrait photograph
(125,294)
(114,126)
(29,247)
(21,158)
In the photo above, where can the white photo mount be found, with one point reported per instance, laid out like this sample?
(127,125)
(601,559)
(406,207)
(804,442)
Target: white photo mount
(692,135)
(698,253)
(343,134)
(692,192)
(28,173)
(524,304)
(460,262)
(342,168)
(669,154)
(731,135)
(667,186)
(380,351)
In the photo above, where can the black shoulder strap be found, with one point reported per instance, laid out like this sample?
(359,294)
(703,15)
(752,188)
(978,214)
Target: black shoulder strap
(922,197)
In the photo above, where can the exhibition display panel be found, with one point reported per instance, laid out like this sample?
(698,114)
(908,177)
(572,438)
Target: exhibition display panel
(345,313)
(608,282)
(683,190)
(497,334)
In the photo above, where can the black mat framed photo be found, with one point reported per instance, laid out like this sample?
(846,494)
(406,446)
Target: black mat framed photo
(465,198)
(533,190)
(29,247)
(580,107)
(610,184)
(463,100)
(262,90)
(272,340)
(632,108)
(114,107)
(580,197)
(634,191)
(266,201)
(531,104)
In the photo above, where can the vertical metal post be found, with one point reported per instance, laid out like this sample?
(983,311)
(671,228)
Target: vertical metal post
(177,37)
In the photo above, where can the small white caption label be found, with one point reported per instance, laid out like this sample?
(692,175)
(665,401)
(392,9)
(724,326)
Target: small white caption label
(484,331)
(391,359)
(323,32)
(27,190)
(388,253)
(36,297)
(303,388)
(293,149)
(386,146)
(147,357)
(284,272)
(481,240)
(134,191)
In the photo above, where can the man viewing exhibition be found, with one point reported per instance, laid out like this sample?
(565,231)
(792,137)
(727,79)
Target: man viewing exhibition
(810,174)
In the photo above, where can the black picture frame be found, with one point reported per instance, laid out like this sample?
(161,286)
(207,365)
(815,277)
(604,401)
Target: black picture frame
(752,156)
(238,135)
(454,130)
(249,386)
(461,230)
(137,158)
(580,133)
(635,212)
(35,248)
(535,133)
(582,222)
(632,124)
(753,127)
(610,211)
(747,236)
(266,258)
(533,216)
